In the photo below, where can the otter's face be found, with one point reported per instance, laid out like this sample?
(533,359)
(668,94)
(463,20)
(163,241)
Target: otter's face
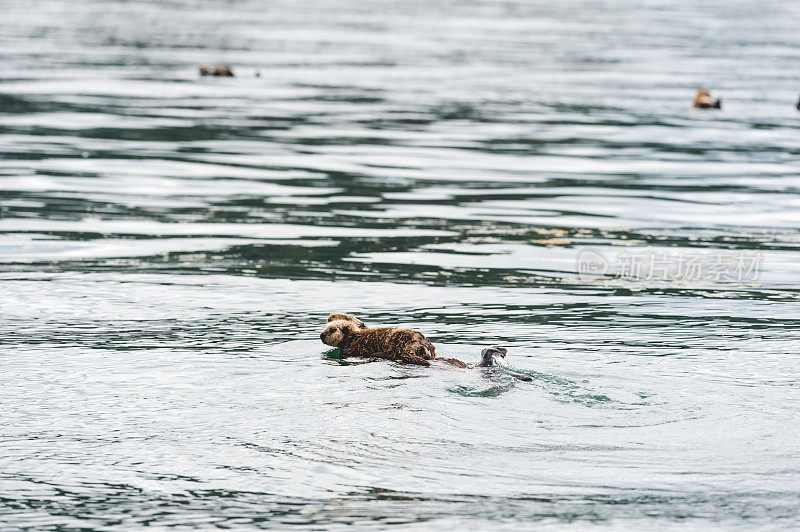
(336,331)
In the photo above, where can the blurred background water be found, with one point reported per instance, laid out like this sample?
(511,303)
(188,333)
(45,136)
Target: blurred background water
(170,246)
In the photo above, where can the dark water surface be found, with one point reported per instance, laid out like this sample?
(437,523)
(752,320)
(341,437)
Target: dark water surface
(527,174)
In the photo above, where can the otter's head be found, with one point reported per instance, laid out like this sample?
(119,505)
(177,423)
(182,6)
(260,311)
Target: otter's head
(703,92)
(347,317)
(337,331)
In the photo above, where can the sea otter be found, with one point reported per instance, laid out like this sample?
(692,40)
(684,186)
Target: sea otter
(354,338)
(219,70)
(703,100)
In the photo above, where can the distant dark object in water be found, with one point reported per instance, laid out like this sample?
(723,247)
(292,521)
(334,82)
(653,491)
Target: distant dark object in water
(703,100)
(798,105)
(354,338)
(219,70)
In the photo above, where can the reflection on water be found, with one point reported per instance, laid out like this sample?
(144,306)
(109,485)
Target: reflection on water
(170,246)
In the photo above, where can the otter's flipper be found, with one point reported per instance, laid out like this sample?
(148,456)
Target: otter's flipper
(488,361)
(488,354)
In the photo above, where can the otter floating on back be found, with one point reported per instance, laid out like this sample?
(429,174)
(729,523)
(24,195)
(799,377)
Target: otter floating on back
(354,338)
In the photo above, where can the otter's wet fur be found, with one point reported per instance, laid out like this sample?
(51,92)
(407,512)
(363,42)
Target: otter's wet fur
(341,316)
(390,343)
(703,100)
(219,71)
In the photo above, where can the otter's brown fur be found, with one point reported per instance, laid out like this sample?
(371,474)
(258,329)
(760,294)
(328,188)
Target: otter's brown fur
(703,100)
(219,70)
(390,343)
(340,316)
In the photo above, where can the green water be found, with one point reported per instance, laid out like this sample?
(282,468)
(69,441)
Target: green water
(524,174)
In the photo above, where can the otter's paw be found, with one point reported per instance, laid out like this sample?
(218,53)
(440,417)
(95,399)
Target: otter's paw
(453,361)
(413,359)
